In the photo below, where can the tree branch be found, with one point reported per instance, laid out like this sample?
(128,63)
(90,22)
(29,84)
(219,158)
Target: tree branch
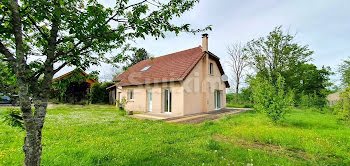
(60,67)
(37,27)
(7,53)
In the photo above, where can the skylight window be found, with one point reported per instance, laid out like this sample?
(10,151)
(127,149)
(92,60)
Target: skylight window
(146,68)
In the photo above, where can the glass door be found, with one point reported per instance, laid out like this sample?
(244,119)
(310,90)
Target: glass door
(217,99)
(150,98)
(167,100)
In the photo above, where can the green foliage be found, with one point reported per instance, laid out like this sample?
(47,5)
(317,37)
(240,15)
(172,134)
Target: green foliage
(13,117)
(137,56)
(8,80)
(344,70)
(270,98)
(99,94)
(312,100)
(60,87)
(278,54)
(75,33)
(87,30)
(244,99)
(121,104)
(342,108)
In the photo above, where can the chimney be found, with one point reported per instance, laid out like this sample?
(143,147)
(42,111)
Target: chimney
(205,42)
(205,62)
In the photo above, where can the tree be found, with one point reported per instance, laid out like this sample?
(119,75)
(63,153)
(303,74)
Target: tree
(138,56)
(99,94)
(38,38)
(344,70)
(278,54)
(270,98)
(238,62)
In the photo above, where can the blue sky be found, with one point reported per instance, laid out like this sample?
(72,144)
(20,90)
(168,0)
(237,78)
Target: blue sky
(322,24)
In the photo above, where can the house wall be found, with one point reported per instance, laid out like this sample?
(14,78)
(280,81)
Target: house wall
(193,89)
(187,96)
(215,83)
(140,102)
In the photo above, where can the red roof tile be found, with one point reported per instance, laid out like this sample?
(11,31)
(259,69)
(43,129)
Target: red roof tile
(172,67)
(167,68)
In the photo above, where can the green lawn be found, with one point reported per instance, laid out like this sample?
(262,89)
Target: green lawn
(99,135)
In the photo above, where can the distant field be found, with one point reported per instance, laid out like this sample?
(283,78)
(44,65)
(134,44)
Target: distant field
(100,135)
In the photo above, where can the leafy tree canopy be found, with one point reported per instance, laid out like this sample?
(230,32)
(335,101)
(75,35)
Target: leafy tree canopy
(39,37)
(278,54)
(137,56)
(7,78)
(344,70)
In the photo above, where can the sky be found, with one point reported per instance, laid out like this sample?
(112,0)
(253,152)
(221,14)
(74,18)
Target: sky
(323,25)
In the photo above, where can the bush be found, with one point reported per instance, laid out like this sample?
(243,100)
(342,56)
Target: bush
(313,100)
(13,117)
(121,105)
(270,99)
(342,108)
(99,94)
(243,98)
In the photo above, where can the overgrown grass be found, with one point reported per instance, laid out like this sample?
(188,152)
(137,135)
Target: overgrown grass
(239,105)
(100,135)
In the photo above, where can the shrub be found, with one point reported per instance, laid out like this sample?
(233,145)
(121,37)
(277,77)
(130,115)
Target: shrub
(342,108)
(121,105)
(13,117)
(313,100)
(99,94)
(270,99)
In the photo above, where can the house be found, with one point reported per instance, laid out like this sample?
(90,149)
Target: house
(77,85)
(334,98)
(185,82)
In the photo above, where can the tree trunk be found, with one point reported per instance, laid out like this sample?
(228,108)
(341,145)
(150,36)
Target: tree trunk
(33,122)
(32,144)
(32,148)
(237,89)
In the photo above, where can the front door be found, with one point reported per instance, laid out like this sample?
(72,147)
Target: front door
(217,99)
(150,101)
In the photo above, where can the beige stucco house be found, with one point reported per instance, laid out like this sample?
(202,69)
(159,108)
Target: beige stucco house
(186,82)
(334,98)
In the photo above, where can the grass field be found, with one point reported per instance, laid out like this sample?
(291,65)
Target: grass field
(99,135)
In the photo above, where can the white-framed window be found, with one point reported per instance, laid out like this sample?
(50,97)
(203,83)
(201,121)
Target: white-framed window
(131,94)
(211,68)
(167,100)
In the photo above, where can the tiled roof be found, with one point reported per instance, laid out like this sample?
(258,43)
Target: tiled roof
(168,68)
